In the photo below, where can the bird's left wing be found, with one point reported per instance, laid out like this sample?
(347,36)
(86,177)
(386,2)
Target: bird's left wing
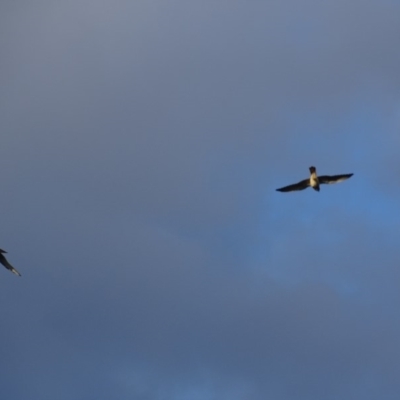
(6,264)
(334,178)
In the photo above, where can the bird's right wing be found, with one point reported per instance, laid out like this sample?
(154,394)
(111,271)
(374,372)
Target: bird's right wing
(297,186)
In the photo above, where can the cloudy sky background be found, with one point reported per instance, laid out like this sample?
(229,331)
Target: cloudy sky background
(141,146)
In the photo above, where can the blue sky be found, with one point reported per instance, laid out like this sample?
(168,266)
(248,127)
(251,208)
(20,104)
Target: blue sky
(142,143)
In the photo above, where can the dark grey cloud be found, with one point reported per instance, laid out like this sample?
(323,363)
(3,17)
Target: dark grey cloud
(141,146)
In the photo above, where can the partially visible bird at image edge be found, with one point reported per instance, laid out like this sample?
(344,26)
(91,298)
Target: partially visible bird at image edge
(314,181)
(4,261)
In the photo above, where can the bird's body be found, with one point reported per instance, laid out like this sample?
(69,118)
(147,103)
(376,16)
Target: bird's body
(314,181)
(6,264)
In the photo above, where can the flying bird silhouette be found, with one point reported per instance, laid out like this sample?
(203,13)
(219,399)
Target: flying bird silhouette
(314,181)
(4,261)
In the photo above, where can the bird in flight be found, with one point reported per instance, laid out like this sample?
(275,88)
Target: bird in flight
(314,181)
(4,261)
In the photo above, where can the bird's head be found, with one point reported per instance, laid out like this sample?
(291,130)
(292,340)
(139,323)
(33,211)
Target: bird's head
(312,169)
(2,251)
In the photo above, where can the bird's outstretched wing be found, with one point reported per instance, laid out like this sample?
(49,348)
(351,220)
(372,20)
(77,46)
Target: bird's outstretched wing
(297,186)
(5,262)
(334,178)
(14,271)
